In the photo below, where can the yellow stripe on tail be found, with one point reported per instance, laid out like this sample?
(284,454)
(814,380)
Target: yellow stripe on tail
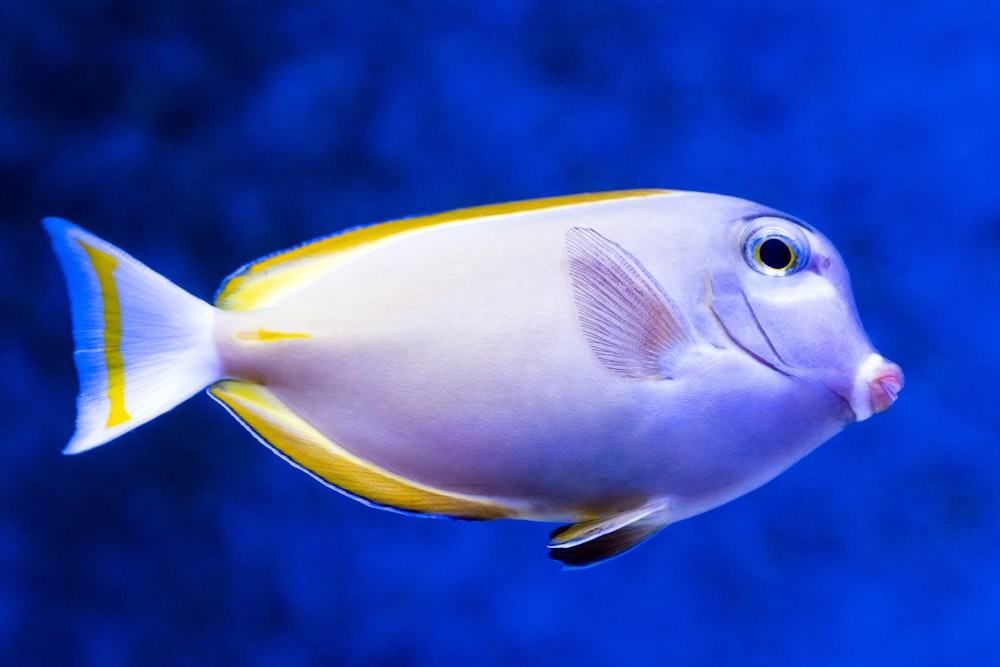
(104,266)
(143,344)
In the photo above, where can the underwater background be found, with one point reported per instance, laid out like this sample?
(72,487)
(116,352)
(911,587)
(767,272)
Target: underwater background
(199,135)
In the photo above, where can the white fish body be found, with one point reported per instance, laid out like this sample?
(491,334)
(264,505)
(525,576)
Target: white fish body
(620,360)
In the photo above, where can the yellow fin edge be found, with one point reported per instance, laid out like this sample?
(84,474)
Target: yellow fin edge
(261,282)
(278,426)
(104,266)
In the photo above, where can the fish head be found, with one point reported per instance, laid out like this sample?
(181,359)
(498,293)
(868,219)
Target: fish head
(782,293)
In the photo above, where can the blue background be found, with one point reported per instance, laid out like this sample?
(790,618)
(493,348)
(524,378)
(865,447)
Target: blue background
(199,135)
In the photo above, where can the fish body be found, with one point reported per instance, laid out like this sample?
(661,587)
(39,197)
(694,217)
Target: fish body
(618,361)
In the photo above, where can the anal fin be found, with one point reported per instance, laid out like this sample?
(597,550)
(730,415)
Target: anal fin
(588,543)
(292,437)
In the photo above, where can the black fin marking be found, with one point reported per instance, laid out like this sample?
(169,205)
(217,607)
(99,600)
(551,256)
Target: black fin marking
(606,546)
(590,542)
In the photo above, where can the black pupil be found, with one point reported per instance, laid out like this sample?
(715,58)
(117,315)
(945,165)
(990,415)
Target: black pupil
(776,254)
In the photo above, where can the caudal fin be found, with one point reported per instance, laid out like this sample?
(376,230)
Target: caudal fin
(143,345)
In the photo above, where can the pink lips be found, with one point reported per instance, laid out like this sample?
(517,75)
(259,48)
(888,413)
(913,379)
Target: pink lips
(885,386)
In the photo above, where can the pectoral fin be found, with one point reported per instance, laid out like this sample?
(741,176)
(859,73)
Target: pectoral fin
(587,543)
(630,322)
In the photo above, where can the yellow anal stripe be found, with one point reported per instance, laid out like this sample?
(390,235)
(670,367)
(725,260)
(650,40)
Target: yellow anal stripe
(265,335)
(293,436)
(104,266)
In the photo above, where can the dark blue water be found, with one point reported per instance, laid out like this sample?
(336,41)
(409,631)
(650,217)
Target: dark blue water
(200,135)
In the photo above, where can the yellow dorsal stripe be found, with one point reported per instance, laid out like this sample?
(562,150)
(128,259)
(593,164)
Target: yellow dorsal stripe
(260,283)
(377,232)
(104,266)
(294,437)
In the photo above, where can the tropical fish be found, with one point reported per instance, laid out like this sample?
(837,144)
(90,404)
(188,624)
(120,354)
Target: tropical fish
(615,361)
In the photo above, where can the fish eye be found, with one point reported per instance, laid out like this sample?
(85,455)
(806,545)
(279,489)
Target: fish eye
(775,251)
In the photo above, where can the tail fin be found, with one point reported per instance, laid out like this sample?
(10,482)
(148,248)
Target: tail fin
(143,345)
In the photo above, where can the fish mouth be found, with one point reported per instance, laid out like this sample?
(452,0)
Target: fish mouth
(876,381)
(876,386)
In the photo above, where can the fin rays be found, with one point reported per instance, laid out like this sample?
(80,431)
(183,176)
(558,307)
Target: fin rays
(143,345)
(630,322)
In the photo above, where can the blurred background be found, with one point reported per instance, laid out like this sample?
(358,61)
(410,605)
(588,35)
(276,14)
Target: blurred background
(199,135)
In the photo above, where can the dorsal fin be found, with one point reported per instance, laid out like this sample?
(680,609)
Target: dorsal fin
(261,282)
(631,323)
(277,426)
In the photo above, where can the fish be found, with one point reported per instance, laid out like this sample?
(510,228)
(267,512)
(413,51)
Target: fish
(614,362)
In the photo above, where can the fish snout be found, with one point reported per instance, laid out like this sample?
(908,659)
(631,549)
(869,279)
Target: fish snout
(885,387)
(877,384)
